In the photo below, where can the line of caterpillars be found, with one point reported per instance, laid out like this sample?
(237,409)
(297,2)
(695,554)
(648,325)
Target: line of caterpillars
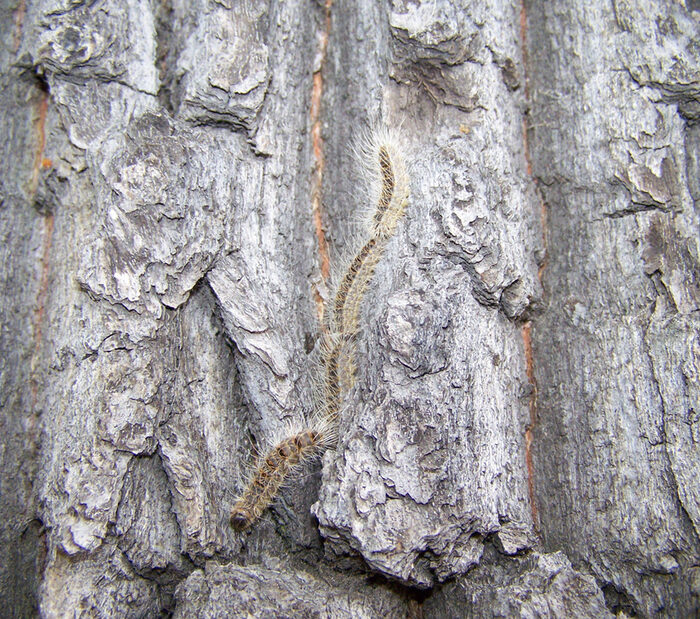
(385,163)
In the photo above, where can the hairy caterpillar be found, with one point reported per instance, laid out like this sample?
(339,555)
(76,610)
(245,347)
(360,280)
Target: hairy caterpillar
(383,161)
(272,471)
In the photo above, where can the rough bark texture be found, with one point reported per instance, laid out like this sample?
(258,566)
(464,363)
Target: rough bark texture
(523,435)
(617,349)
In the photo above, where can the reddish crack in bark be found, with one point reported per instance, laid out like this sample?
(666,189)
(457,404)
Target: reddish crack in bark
(42,107)
(20,12)
(530,369)
(39,310)
(527,328)
(319,162)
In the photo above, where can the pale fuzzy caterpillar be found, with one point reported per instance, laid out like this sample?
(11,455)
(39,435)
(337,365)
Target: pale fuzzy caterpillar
(381,156)
(279,463)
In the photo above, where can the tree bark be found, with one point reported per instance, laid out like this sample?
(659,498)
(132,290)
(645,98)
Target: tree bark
(179,192)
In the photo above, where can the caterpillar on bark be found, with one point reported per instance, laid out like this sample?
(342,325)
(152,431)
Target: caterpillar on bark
(381,156)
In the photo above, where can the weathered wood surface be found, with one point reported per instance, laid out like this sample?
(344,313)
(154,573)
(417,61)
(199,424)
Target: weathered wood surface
(523,434)
(617,350)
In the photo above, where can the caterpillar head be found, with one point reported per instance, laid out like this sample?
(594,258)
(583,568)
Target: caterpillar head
(241,518)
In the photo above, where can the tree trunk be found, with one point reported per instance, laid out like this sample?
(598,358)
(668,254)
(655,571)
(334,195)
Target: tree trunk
(179,193)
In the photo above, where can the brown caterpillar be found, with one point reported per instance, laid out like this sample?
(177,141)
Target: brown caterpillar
(390,186)
(389,179)
(331,362)
(273,470)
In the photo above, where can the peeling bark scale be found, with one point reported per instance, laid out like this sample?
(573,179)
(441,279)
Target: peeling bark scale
(178,184)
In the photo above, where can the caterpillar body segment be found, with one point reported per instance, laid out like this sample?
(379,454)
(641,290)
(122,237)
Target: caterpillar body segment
(388,184)
(381,154)
(348,323)
(275,468)
(331,391)
(346,284)
(346,364)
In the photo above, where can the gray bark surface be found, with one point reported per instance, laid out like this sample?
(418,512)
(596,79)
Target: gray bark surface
(522,436)
(616,444)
